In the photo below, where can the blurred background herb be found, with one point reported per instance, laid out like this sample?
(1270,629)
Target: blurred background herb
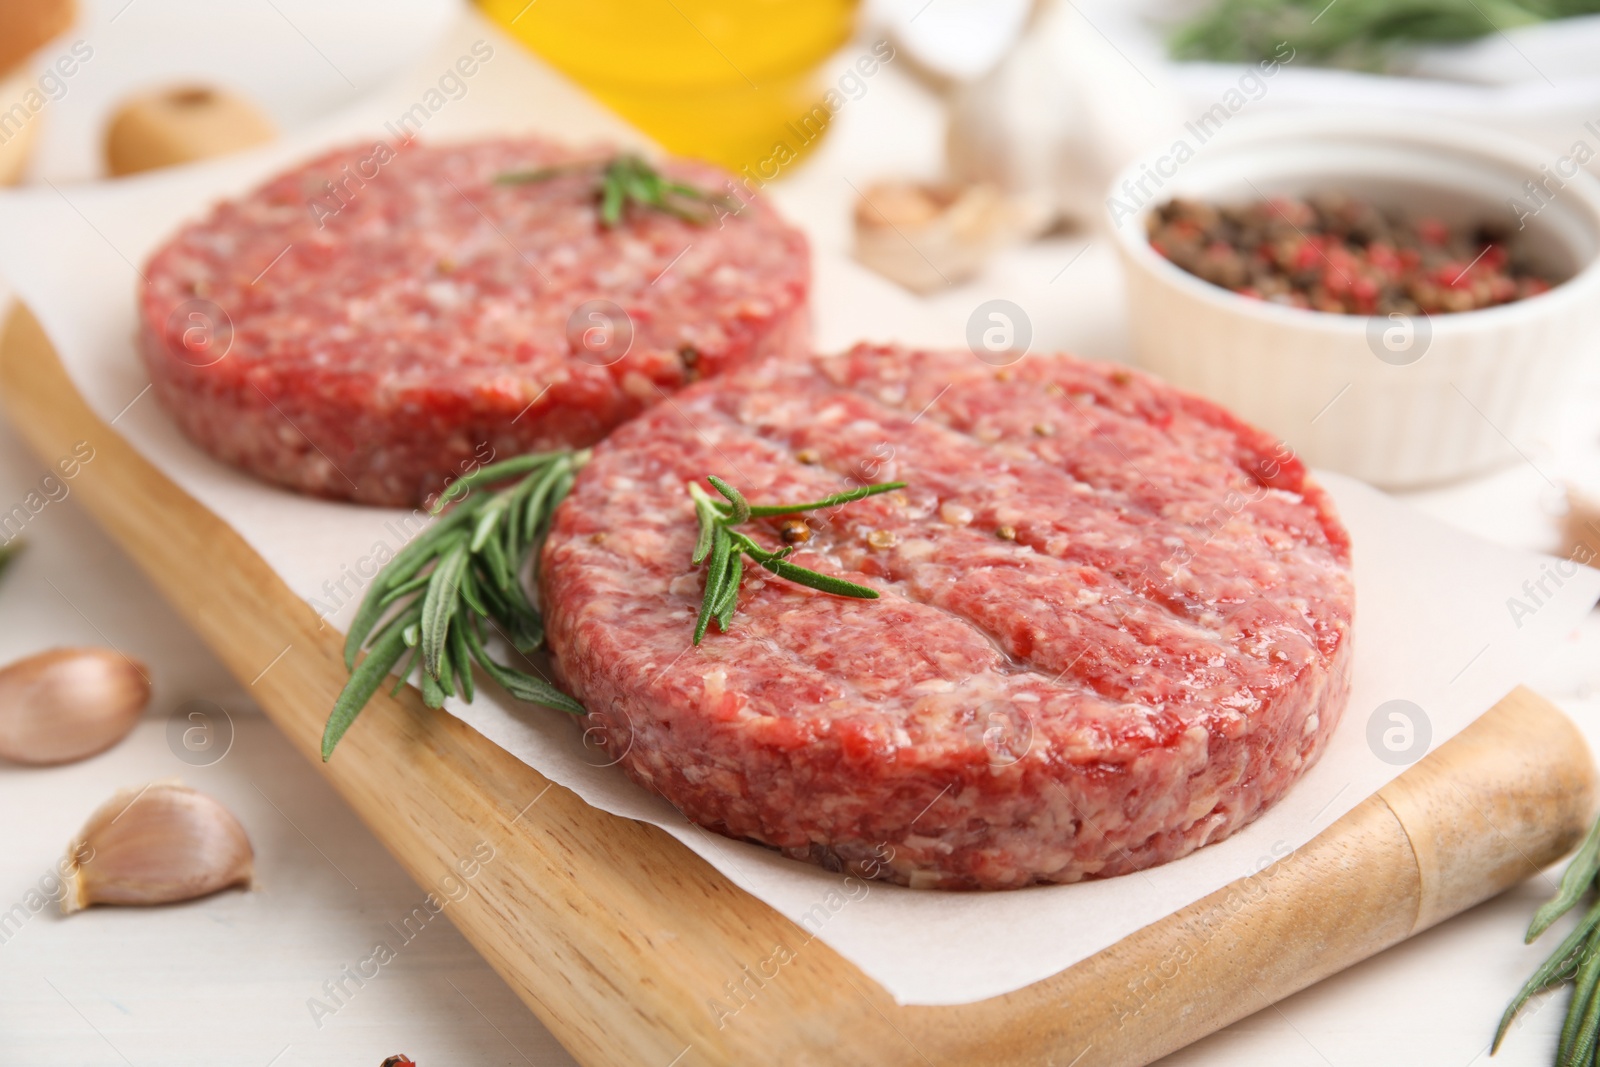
(8,554)
(1356,34)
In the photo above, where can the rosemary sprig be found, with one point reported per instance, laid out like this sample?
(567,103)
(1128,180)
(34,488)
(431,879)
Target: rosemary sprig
(436,600)
(1359,34)
(627,179)
(723,548)
(1576,960)
(1579,875)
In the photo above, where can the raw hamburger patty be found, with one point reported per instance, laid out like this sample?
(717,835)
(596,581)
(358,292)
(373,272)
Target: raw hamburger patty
(1114,624)
(415,317)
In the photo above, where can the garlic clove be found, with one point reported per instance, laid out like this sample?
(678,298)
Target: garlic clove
(928,235)
(157,845)
(1583,521)
(69,703)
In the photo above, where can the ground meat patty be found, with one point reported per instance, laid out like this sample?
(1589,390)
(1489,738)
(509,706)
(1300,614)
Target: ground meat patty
(370,324)
(1114,624)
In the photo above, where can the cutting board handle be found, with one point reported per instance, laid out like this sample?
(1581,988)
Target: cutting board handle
(1497,803)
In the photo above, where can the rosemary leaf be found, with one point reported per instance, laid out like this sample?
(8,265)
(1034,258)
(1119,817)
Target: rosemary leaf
(706,538)
(493,474)
(400,622)
(367,617)
(432,691)
(539,174)
(9,551)
(497,603)
(741,506)
(688,192)
(706,512)
(501,573)
(527,634)
(437,688)
(469,594)
(488,518)
(535,511)
(558,492)
(611,202)
(403,674)
(1588,970)
(685,214)
(438,604)
(364,681)
(406,563)
(716,580)
(755,551)
(730,592)
(1579,876)
(425,546)
(509,612)
(860,493)
(519,684)
(643,187)
(534,690)
(404,589)
(1555,969)
(816,580)
(461,654)
(508,544)
(628,180)
(1586,1007)
(727,547)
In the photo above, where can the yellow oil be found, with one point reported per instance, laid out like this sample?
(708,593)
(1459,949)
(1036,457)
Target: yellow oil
(731,81)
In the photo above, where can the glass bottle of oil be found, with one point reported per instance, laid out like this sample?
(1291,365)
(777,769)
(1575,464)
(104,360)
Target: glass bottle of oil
(731,81)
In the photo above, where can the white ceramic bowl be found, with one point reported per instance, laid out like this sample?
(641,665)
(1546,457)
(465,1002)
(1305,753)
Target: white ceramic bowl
(1397,403)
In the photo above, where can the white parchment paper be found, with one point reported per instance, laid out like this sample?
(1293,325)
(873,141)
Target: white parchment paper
(1435,625)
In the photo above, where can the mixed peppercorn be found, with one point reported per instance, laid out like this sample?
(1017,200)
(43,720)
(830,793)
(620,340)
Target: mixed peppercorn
(1333,252)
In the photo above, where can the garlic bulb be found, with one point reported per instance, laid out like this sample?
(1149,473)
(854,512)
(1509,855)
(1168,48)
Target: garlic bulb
(958,40)
(1060,115)
(69,703)
(1024,128)
(156,845)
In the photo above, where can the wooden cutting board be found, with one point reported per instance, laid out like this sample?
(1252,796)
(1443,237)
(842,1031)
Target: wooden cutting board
(622,941)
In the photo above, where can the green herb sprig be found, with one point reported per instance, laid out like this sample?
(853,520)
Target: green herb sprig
(1358,34)
(1576,960)
(436,601)
(438,598)
(9,552)
(723,548)
(629,180)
